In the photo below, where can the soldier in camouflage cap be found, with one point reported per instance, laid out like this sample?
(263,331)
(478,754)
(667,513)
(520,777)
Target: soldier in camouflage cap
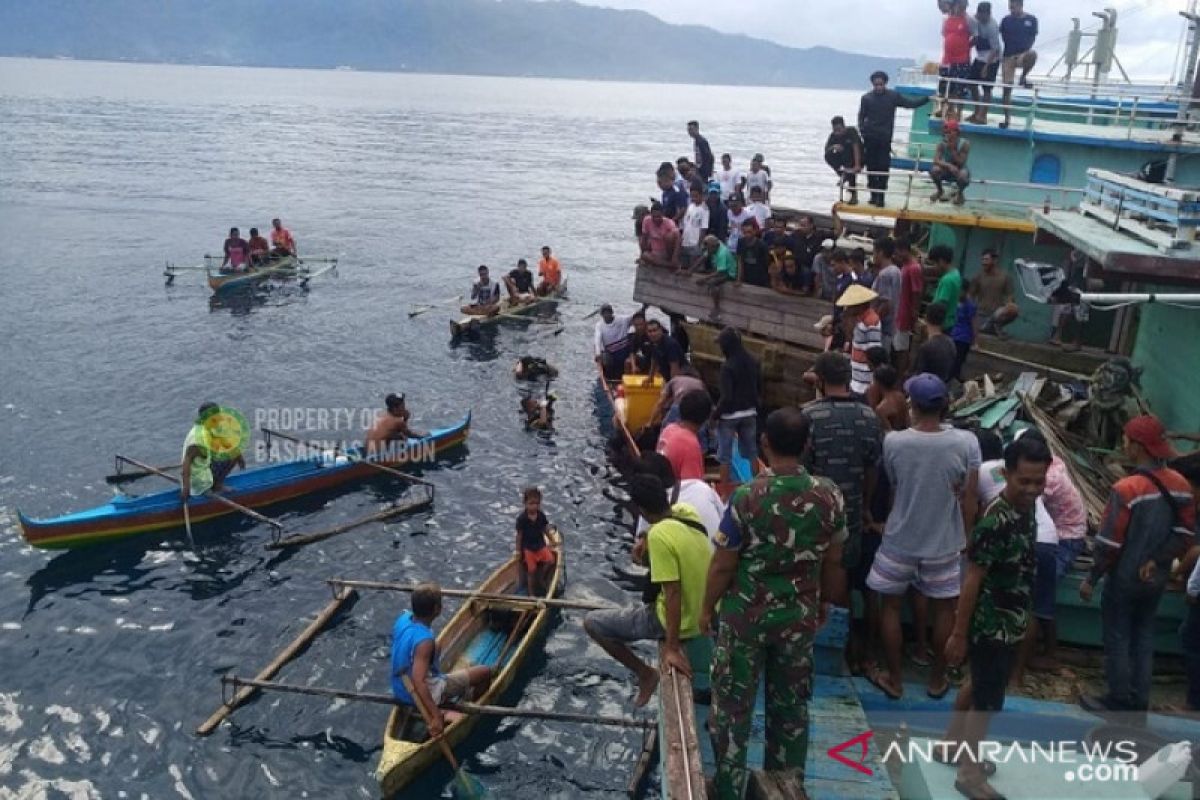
(778,558)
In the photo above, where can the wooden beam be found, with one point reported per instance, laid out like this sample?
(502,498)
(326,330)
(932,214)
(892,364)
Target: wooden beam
(297,645)
(683,771)
(775,786)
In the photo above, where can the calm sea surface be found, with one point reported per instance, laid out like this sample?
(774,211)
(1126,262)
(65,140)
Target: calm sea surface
(110,656)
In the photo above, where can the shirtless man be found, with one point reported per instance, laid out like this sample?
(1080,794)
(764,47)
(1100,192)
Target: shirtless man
(391,426)
(892,407)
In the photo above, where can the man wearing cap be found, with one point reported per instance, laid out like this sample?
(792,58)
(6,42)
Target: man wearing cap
(660,239)
(950,163)
(702,153)
(865,332)
(759,177)
(1150,520)
(390,427)
(876,124)
(934,472)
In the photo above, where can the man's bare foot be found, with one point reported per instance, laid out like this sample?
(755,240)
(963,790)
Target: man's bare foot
(976,788)
(647,683)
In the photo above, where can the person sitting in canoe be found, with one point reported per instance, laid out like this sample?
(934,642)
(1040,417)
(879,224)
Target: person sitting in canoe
(539,414)
(550,272)
(389,429)
(237,253)
(520,284)
(260,248)
(204,464)
(282,243)
(485,296)
(532,368)
(415,657)
(535,559)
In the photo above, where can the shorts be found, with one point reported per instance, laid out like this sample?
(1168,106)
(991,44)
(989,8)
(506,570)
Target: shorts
(902,341)
(1011,65)
(952,73)
(1080,312)
(984,72)
(857,575)
(746,431)
(630,624)
(991,664)
(1045,580)
(534,557)
(1068,551)
(893,572)
(449,687)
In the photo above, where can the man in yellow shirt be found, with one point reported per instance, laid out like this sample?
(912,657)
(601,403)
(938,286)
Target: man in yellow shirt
(679,553)
(210,452)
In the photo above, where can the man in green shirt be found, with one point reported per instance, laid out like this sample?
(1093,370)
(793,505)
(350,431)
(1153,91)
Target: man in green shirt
(993,609)
(719,262)
(776,569)
(211,450)
(678,550)
(949,286)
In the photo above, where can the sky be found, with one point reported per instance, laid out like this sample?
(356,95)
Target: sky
(1147,45)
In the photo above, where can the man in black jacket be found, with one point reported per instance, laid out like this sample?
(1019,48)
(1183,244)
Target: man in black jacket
(876,123)
(703,153)
(736,413)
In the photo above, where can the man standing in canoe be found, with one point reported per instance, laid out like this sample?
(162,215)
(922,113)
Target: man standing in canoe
(282,243)
(206,462)
(237,253)
(678,551)
(389,429)
(415,656)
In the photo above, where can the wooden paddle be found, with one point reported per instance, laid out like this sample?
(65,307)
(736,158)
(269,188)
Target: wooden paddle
(422,309)
(125,477)
(470,787)
(187,524)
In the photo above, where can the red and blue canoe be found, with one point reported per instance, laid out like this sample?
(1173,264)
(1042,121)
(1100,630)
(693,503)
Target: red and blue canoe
(255,488)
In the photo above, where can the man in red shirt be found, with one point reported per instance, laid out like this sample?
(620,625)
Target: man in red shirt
(908,307)
(679,442)
(956,50)
(1150,519)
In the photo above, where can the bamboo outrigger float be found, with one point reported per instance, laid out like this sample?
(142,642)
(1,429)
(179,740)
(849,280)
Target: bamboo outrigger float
(509,310)
(302,270)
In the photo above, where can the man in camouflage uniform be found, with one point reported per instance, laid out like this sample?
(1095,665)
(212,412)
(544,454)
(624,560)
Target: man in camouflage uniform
(994,608)
(778,557)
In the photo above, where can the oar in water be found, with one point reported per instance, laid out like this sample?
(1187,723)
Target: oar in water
(470,786)
(422,309)
(187,524)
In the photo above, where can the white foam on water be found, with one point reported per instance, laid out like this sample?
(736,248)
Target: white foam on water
(36,787)
(68,715)
(274,781)
(121,622)
(11,626)
(44,749)
(166,626)
(150,736)
(179,787)
(10,720)
(119,601)
(85,629)
(78,746)
(103,718)
(8,754)
(105,759)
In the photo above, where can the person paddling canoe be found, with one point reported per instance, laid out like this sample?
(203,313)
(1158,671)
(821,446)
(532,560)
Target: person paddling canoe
(208,455)
(282,243)
(415,656)
(392,426)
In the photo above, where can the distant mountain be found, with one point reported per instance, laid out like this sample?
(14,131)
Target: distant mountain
(558,39)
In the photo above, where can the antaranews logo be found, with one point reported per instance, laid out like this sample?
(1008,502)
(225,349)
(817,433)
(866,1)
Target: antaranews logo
(860,743)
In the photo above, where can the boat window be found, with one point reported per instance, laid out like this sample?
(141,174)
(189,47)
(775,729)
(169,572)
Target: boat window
(1047,169)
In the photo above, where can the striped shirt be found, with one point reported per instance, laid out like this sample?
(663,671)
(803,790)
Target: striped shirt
(868,333)
(1140,526)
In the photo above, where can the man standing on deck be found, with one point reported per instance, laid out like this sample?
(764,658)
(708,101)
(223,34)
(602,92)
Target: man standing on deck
(204,468)
(678,551)
(908,308)
(736,413)
(1149,521)
(808,241)
(718,214)
(237,253)
(702,153)
(777,566)
(659,240)
(674,199)
(957,30)
(949,285)
(1019,31)
(759,177)
(876,124)
(994,608)
(934,472)
(986,63)
(695,228)
(844,155)
(282,243)
(886,284)
(992,290)
(731,179)
(738,214)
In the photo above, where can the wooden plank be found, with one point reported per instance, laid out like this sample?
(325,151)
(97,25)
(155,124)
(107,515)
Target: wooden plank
(775,786)
(287,654)
(683,771)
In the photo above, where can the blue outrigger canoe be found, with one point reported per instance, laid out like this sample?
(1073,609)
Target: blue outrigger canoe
(254,488)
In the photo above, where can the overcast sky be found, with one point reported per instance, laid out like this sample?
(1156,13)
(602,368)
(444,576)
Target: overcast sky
(1147,46)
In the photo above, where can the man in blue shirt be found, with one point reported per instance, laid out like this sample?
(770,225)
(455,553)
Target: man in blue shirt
(1019,31)
(674,200)
(415,656)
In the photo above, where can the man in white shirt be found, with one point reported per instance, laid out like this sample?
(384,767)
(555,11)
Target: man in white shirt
(696,493)
(738,213)
(731,179)
(695,228)
(758,208)
(758,177)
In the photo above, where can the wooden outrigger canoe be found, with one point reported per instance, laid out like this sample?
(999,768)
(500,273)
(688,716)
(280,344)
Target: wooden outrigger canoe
(467,640)
(254,488)
(508,311)
(286,267)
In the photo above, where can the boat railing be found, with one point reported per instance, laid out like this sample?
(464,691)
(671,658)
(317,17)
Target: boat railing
(1165,217)
(1158,92)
